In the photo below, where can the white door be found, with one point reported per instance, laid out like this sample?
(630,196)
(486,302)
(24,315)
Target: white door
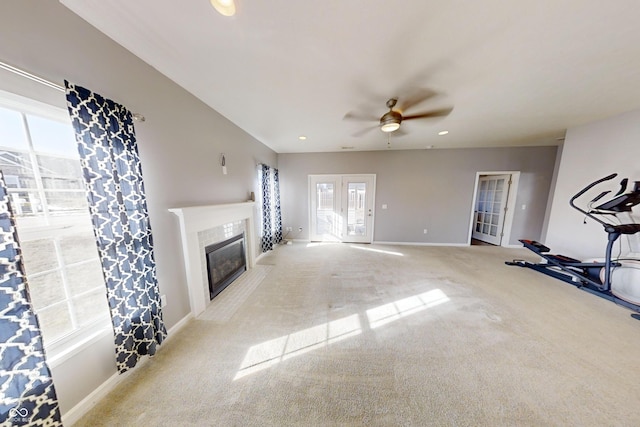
(341,208)
(489,213)
(325,206)
(357,206)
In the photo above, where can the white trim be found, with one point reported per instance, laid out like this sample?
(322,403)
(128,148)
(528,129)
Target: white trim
(419,244)
(380,242)
(59,357)
(31,106)
(74,414)
(85,405)
(177,327)
(260,255)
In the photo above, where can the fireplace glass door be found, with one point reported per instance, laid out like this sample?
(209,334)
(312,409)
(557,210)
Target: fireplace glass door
(225,262)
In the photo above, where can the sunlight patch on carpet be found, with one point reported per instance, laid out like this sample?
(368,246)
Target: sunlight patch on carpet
(393,311)
(269,353)
(380,251)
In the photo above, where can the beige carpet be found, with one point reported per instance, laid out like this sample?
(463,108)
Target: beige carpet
(372,335)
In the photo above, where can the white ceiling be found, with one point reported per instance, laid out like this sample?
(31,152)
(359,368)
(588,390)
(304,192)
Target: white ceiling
(516,72)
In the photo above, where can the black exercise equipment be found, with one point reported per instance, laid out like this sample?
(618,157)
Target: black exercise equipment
(596,277)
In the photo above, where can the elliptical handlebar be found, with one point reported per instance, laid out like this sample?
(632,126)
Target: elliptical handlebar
(584,190)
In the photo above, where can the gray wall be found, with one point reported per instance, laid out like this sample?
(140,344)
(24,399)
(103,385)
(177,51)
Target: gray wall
(593,151)
(180,144)
(430,189)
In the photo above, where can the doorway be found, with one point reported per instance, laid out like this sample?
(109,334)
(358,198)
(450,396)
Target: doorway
(341,208)
(493,207)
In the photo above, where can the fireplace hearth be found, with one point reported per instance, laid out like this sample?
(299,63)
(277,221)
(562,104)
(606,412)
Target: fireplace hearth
(226,261)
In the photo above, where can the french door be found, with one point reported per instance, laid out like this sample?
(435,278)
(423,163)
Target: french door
(341,208)
(489,214)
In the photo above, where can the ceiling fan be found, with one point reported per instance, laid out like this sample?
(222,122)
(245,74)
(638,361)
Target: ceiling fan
(391,120)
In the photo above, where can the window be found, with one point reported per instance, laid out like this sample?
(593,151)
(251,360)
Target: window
(40,162)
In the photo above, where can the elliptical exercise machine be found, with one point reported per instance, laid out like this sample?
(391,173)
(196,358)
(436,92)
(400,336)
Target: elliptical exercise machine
(612,279)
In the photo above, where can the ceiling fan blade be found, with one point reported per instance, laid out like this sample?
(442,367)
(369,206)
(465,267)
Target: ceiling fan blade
(365,131)
(361,117)
(427,114)
(418,96)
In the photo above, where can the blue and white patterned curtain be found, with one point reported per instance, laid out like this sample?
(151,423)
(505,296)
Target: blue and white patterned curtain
(118,208)
(27,394)
(271,216)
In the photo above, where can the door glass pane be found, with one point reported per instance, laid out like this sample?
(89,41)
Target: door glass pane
(325,203)
(491,193)
(356,209)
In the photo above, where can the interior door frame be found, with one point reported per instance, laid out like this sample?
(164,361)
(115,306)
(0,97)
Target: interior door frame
(511,204)
(341,178)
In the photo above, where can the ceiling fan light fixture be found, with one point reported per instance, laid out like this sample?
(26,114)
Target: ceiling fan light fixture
(390,121)
(224,7)
(390,127)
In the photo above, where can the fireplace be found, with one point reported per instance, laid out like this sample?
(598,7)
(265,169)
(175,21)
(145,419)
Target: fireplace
(225,262)
(201,226)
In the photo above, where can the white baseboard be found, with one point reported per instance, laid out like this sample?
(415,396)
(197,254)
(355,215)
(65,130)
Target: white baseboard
(74,414)
(78,411)
(176,328)
(260,256)
(377,242)
(419,244)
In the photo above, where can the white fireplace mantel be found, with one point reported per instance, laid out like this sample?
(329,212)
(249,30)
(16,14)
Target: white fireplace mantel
(195,219)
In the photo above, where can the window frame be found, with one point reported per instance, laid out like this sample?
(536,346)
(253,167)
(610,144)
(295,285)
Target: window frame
(72,342)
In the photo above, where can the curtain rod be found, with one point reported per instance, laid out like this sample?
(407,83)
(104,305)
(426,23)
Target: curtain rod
(22,73)
(25,74)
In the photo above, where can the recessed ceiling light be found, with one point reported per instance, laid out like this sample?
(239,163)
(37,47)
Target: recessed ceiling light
(443,132)
(224,7)
(302,137)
